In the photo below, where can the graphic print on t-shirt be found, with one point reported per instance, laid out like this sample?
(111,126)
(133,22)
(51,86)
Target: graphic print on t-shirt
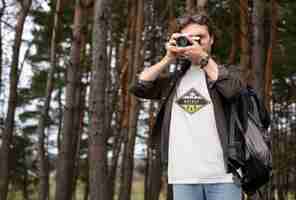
(192,101)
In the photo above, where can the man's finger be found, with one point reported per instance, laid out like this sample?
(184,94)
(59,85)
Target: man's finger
(175,35)
(172,48)
(194,40)
(188,48)
(176,50)
(172,43)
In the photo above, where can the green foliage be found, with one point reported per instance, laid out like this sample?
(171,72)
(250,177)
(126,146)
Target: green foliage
(25,116)
(118,25)
(39,83)
(24,97)
(24,163)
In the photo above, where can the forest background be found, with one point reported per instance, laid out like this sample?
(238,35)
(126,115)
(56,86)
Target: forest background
(69,128)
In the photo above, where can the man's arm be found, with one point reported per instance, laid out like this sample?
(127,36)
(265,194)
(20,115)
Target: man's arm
(211,69)
(225,82)
(151,73)
(149,83)
(149,89)
(219,76)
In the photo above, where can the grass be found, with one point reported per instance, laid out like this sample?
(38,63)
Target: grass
(137,190)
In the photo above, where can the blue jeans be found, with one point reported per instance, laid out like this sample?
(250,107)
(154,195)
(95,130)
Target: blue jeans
(214,191)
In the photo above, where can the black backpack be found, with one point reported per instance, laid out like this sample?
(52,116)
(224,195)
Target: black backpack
(250,120)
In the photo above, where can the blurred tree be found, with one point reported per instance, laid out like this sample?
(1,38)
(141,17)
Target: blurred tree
(3,7)
(98,169)
(43,162)
(7,134)
(73,108)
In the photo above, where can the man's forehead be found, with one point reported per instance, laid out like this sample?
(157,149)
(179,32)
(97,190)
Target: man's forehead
(195,29)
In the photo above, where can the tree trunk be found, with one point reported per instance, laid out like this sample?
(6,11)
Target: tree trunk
(1,52)
(273,14)
(154,169)
(190,5)
(72,112)
(125,187)
(78,146)
(25,182)
(196,5)
(148,158)
(272,45)
(86,191)
(244,41)
(98,169)
(202,5)
(133,104)
(257,48)
(293,163)
(114,165)
(60,115)
(12,101)
(43,162)
(154,174)
(234,35)
(116,147)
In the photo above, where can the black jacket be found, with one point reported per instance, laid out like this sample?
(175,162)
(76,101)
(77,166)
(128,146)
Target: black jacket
(222,92)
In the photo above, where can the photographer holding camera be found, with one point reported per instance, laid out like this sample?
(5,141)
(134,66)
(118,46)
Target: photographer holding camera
(191,117)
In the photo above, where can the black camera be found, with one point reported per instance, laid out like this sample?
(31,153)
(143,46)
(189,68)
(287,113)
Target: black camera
(183,41)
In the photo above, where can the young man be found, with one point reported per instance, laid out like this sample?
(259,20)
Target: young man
(191,118)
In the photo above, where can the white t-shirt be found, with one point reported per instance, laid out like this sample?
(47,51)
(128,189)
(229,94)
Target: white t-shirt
(195,151)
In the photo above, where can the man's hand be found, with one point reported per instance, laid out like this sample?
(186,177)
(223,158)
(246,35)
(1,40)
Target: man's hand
(172,51)
(151,73)
(194,52)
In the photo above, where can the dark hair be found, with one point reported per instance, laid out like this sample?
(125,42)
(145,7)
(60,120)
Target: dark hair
(200,18)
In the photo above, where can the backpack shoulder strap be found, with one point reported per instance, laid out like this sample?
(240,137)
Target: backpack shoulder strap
(264,115)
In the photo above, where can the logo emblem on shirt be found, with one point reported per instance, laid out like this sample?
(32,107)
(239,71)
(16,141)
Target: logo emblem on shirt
(192,101)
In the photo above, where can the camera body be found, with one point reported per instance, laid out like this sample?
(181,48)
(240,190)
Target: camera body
(182,41)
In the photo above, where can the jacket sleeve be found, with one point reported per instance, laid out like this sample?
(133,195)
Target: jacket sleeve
(148,89)
(227,84)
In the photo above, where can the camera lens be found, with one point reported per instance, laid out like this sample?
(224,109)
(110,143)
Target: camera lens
(182,41)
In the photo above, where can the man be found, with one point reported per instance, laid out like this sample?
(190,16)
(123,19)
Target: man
(192,118)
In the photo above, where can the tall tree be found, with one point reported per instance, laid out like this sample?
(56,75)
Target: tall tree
(98,169)
(42,153)
(72,112)
(153,172)
(200,5)
(272,45)
(257,46)
(234,32)
(190,4)
(244,40)
(1,62)
(135,62)
(7,135)
(115,129)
